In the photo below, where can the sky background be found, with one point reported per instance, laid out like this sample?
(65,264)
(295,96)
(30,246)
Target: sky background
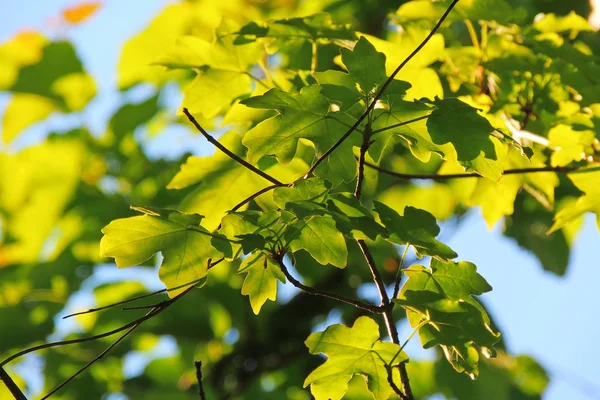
(554,319)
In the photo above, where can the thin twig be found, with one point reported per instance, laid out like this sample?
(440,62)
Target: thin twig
(364,147)
(329,295)
(11,385)
(389,80)
(144,307)
(253,196)
(143,296)
(151,314)
(387,316)
(198,365)
(441,177)
(399,272)
(97,358)
(225,150)
(390,379)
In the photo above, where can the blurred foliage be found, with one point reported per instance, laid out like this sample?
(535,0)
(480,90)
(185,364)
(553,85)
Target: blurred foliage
(506,87)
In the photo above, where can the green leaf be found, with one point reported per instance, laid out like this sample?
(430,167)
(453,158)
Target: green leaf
(319,236)
(469,133)
(308,117)
(221,182)
(251,229)
(130,116)
(589,183)
(417,227)
(366,65)
(313,190)
(339,87)
(488,10)
(212,91)
(497,198)
(140,51)
(261,279)
(22,111)
(353,219)
(439,300)
(283,31)
(571,22)
(529,225)
(187,248)
(570,145)
(351,351)
(414,134)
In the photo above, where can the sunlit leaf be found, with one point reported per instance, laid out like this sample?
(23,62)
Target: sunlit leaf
(350,351)
(439,300)
(187,248)
(22,111)
(417,227)
(260,284)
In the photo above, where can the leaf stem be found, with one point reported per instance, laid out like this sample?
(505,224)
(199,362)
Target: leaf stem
(228,152)
(318,292)
(399,272)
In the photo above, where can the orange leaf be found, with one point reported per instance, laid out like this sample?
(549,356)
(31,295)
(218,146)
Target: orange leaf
(81,12)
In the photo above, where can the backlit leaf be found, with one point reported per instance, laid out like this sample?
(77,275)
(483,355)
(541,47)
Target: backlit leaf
(350,351)
(187,247)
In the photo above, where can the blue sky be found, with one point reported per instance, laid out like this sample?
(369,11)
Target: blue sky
(554,319)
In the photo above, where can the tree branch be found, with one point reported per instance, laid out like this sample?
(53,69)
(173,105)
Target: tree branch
(225,150)
(11,385)
(387,315)
(441,177)
(318,292)
(155,311)
(389,80)
(198,365)
(97,358)
(253,196)
(366,142)
(143,296)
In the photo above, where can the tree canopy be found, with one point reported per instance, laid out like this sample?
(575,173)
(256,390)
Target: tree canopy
(339,136)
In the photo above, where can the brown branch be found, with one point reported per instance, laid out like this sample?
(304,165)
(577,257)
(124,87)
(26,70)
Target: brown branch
(143,296)
(198,365)
(149,315)
(11,385)
(361,161)
(318,292)
(253,196)
(387,315)
(388,81)
(390,379)
(228,152)
(441,177)
(95,359)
